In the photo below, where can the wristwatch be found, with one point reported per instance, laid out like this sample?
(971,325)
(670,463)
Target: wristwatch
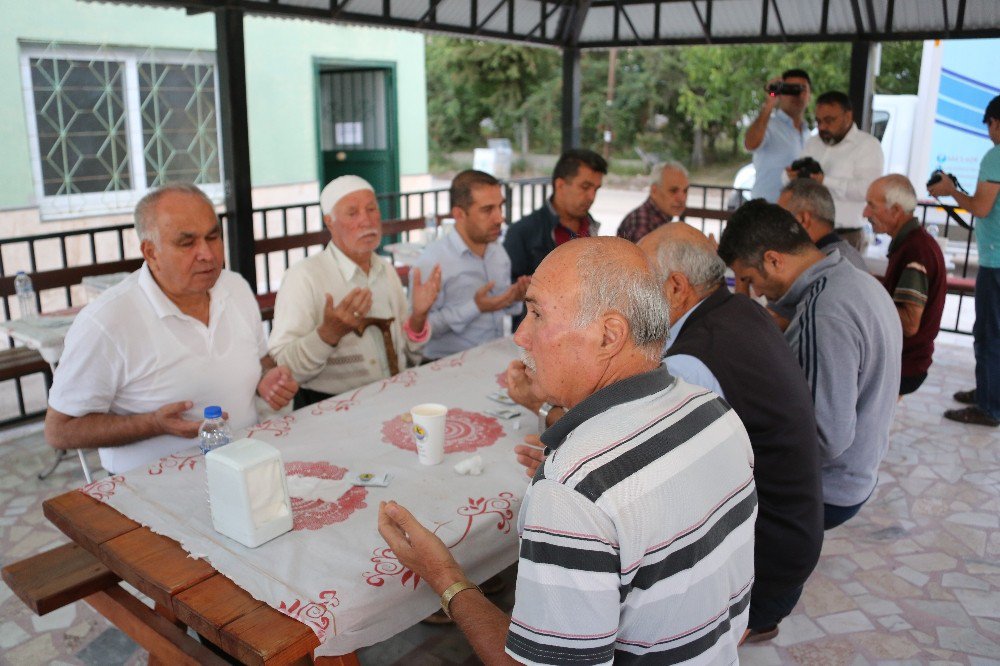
(543,415)
(454,589)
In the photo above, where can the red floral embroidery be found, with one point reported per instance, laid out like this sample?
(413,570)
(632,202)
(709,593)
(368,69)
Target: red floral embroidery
(315,470)
(406,378)
(464,431)
(278,426)
(448,362)
(314,514)
(386,563)
(102,489)
(317,614)
(173,461)
(335,404)
(499,506)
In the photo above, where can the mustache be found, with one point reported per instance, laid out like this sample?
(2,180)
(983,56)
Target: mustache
(528,360)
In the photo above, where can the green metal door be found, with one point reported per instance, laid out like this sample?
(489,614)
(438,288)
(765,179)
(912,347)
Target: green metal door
(358,128)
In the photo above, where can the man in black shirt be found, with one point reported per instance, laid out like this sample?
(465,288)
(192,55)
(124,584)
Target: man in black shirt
(730,344)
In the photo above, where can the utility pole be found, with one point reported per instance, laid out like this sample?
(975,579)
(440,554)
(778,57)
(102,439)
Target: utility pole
(610,102)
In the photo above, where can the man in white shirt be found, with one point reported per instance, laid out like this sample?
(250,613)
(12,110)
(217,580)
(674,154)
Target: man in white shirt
(851,160)
(476,290)
(180,334)
(338,312)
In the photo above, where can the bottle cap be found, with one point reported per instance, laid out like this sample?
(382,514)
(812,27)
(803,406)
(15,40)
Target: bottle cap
(213,412)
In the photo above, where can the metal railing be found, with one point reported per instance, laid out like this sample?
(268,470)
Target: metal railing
(285,234)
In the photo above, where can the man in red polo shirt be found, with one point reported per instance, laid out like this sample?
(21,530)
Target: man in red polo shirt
(915,277)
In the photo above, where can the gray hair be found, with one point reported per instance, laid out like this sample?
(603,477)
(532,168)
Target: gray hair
(808,196)
(898,191)
(657,172)
(701,265)
(629,290)
(145,210)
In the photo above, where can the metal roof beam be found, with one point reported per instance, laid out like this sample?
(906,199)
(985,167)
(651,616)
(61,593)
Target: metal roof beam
(431,13)
(777,15)
(631,26)
(482,24)
(545,19)
(704,24)
(859,22)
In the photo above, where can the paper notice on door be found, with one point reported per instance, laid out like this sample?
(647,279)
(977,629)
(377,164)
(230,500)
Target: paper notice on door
(349,134)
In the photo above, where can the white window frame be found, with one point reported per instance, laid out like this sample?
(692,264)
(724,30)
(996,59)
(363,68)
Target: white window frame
(70,206)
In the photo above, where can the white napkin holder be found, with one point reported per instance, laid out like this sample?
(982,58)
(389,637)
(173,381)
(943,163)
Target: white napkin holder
(247,492)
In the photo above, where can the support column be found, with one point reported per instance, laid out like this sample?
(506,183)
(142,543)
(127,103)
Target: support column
(571,98)
(231,61)
(864,67)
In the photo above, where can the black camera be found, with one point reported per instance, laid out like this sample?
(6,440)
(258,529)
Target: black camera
(782,88)
(936,178)
(805,167)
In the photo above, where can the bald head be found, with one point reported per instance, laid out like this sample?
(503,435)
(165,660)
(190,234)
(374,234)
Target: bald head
(890,202)
(611,274)
(898,191)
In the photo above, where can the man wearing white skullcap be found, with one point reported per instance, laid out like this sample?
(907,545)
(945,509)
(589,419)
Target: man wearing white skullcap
(341,319)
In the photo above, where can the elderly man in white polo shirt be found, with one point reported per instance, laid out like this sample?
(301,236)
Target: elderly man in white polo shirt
(181,333)
(340,312)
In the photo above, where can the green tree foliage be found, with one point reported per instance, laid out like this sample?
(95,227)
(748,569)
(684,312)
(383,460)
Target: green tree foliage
(675,101)
(899,71)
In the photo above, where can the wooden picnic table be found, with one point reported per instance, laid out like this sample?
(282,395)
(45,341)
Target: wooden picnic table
(187,592)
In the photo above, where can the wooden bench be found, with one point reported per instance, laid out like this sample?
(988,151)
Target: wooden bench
(20,362)
(58,577)
(961,286)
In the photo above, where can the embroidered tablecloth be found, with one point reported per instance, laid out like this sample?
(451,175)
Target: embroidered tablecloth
(333,571)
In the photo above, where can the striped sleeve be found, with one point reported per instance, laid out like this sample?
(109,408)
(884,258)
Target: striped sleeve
(913,285)
(569,560)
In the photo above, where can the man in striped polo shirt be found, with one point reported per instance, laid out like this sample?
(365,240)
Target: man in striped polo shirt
(637,532)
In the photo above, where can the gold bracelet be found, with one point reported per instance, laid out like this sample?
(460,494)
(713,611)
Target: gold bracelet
(454,589)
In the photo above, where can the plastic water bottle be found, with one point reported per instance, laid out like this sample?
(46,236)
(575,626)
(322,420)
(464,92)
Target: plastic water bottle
(430,227)
(214,431)
(25,296)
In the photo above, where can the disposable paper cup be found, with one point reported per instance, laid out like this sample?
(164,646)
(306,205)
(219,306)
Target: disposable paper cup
(428,432)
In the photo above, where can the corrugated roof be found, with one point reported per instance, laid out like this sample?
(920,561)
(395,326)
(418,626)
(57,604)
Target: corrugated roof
(609,23)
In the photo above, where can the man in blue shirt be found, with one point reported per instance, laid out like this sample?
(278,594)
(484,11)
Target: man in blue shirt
(778,135)
(984,400)
(476,289)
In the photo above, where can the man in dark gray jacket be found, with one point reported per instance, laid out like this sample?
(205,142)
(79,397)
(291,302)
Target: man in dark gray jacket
(846,335)
(812,205)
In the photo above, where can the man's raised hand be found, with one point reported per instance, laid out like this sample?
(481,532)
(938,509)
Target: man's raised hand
(342,318)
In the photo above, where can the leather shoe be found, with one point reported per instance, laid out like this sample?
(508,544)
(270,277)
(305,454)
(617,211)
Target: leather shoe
(761,635)
(972,415)
(965,397)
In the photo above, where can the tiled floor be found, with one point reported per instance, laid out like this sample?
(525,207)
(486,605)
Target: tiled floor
(913,579)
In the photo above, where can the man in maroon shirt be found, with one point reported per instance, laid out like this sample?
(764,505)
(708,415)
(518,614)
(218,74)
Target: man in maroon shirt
(915,277)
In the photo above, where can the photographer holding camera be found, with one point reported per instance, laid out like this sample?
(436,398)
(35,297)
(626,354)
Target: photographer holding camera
(984,204)
(779,133)
(850,160)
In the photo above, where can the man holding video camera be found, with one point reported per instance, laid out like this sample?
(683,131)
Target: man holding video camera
(779,133)
(849,159)
(984,400)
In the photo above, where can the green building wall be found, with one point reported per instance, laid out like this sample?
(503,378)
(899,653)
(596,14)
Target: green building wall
(280,56)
